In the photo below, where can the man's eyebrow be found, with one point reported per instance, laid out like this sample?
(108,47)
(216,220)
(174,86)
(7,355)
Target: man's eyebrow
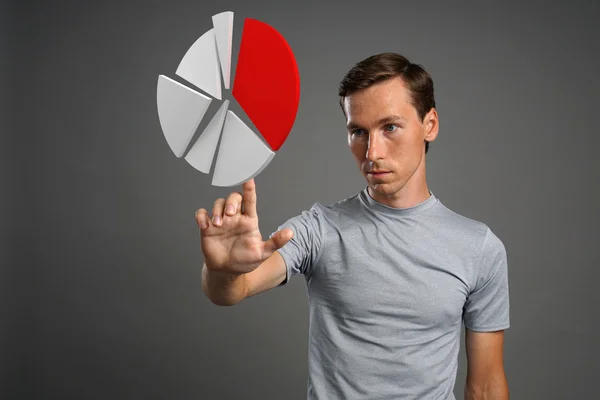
(352,125)
(390,118)
(384,120)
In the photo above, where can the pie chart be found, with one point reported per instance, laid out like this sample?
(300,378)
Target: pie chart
(266,86)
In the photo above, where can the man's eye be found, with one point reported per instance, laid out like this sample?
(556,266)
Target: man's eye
(358,132)
(390,128)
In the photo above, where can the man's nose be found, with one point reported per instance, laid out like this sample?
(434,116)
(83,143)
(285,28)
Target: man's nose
(376,148)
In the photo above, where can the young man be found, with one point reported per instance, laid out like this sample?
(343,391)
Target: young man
(391,272)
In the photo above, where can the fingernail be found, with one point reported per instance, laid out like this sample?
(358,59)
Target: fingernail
(230,209)
(217,220)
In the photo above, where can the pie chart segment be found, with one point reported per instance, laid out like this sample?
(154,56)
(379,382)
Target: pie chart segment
(200,65)
(241,156)
(223,25)
(180,110)
(267,82)
(201,155)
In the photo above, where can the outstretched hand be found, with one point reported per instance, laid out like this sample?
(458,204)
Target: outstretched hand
(230,237)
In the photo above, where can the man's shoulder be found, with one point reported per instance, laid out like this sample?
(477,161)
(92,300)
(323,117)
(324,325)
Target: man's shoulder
(459,225)
(321,214)
(345,206)
(465,236)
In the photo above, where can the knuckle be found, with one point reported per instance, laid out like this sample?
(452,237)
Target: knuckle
(234,198)
(218,202)
(238,199)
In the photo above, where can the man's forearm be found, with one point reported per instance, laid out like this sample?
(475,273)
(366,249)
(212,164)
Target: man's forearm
(223,288)
(494,388)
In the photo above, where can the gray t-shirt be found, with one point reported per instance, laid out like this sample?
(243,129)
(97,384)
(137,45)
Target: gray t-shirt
(388,292)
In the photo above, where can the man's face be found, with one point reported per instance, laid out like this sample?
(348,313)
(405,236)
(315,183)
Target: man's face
(387,139)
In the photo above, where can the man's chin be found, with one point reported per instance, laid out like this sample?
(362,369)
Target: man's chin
(381,188)
(385,189)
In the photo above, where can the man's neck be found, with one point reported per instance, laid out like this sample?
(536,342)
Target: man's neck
(403,198)
(414,192)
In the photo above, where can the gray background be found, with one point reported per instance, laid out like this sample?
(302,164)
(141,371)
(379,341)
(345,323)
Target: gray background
(101,297)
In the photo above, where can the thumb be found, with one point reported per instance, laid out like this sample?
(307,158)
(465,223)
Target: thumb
(277,241)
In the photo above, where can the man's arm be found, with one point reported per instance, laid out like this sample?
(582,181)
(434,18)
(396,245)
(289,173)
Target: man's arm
(226,289)
(486,379)
(241,263)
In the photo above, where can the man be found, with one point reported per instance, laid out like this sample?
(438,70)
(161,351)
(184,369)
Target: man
(391,272)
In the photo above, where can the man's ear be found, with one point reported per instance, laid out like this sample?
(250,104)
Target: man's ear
(432,124)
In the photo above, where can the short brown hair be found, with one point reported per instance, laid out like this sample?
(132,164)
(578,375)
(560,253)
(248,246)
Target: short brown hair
(384,66)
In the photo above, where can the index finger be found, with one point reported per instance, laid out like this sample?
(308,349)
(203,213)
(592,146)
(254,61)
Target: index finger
(249,198)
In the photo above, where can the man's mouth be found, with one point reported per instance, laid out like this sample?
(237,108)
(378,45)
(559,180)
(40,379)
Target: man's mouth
(377,173)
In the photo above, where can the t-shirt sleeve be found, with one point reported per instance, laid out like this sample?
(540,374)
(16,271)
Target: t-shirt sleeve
(302,251)
(487,306)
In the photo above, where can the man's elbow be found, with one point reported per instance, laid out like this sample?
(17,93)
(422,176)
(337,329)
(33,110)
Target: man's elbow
(223,302)
(493,388)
